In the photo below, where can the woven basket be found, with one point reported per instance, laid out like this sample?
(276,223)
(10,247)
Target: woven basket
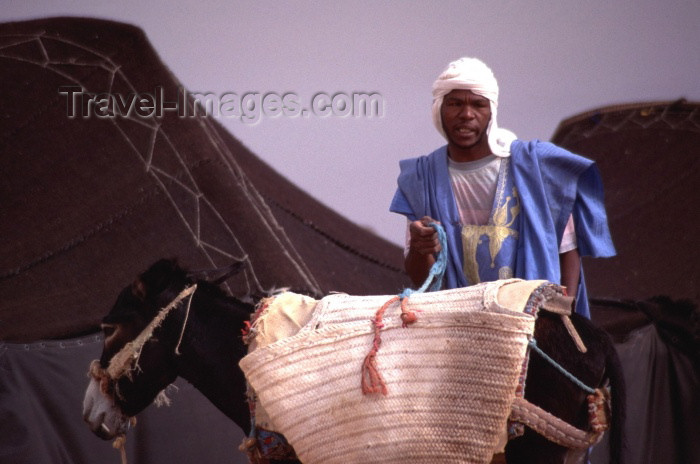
(450,376)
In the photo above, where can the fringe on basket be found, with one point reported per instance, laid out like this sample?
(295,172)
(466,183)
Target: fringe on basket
(372,380)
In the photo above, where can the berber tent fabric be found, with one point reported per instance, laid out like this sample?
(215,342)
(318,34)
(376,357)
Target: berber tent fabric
(649,158)
(87,203)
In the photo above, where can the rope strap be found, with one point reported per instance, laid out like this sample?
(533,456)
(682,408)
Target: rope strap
(372,380)
(551,427)
(533,345)
(123,361)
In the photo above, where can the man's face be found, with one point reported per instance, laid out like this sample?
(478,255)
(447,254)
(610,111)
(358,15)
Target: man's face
(465,117)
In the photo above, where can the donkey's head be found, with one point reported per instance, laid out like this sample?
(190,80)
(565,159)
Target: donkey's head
(138,358)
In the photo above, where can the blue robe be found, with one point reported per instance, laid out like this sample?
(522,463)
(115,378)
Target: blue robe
(552,184)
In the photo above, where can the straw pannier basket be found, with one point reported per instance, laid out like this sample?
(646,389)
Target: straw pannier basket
(451,377)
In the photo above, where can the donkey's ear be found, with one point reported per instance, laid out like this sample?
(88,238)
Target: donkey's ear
(138,289)
(157,278)
(218,275)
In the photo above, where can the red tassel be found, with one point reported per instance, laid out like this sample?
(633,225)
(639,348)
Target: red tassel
(372,381)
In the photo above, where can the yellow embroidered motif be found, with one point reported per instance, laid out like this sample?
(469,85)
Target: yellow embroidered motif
(497,231)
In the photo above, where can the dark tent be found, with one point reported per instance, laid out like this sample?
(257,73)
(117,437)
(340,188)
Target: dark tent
(91,196)
(87,202)
(90,200)
(649,158)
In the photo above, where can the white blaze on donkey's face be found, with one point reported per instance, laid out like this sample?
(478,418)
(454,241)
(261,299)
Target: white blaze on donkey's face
(104,418)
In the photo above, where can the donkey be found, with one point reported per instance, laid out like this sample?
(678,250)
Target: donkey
(198,337)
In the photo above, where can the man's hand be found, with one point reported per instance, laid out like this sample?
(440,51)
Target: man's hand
(424,242)
(423,238)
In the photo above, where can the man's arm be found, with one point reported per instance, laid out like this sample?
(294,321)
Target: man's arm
(570,265)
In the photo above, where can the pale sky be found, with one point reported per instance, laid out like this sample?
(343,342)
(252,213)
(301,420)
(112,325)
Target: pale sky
(553,59)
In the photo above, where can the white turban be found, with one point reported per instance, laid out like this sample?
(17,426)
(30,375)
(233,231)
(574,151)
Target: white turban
(472,74)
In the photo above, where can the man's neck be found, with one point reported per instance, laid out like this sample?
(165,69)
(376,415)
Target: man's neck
(461,155)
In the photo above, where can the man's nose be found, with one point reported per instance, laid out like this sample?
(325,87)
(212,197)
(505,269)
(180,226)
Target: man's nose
(467,111)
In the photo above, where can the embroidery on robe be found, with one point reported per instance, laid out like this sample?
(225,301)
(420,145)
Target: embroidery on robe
(502,228)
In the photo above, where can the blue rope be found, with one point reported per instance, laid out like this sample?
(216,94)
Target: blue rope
(437,271)
(567,374)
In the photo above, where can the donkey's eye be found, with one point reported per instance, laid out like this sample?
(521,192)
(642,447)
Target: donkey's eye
(108,330)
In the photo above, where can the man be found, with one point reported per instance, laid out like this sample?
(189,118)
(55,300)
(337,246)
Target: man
(510,208)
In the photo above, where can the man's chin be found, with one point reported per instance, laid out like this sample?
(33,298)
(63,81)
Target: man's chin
(465,143)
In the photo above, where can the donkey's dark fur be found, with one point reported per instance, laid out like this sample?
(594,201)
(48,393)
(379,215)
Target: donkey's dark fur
(212,346)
